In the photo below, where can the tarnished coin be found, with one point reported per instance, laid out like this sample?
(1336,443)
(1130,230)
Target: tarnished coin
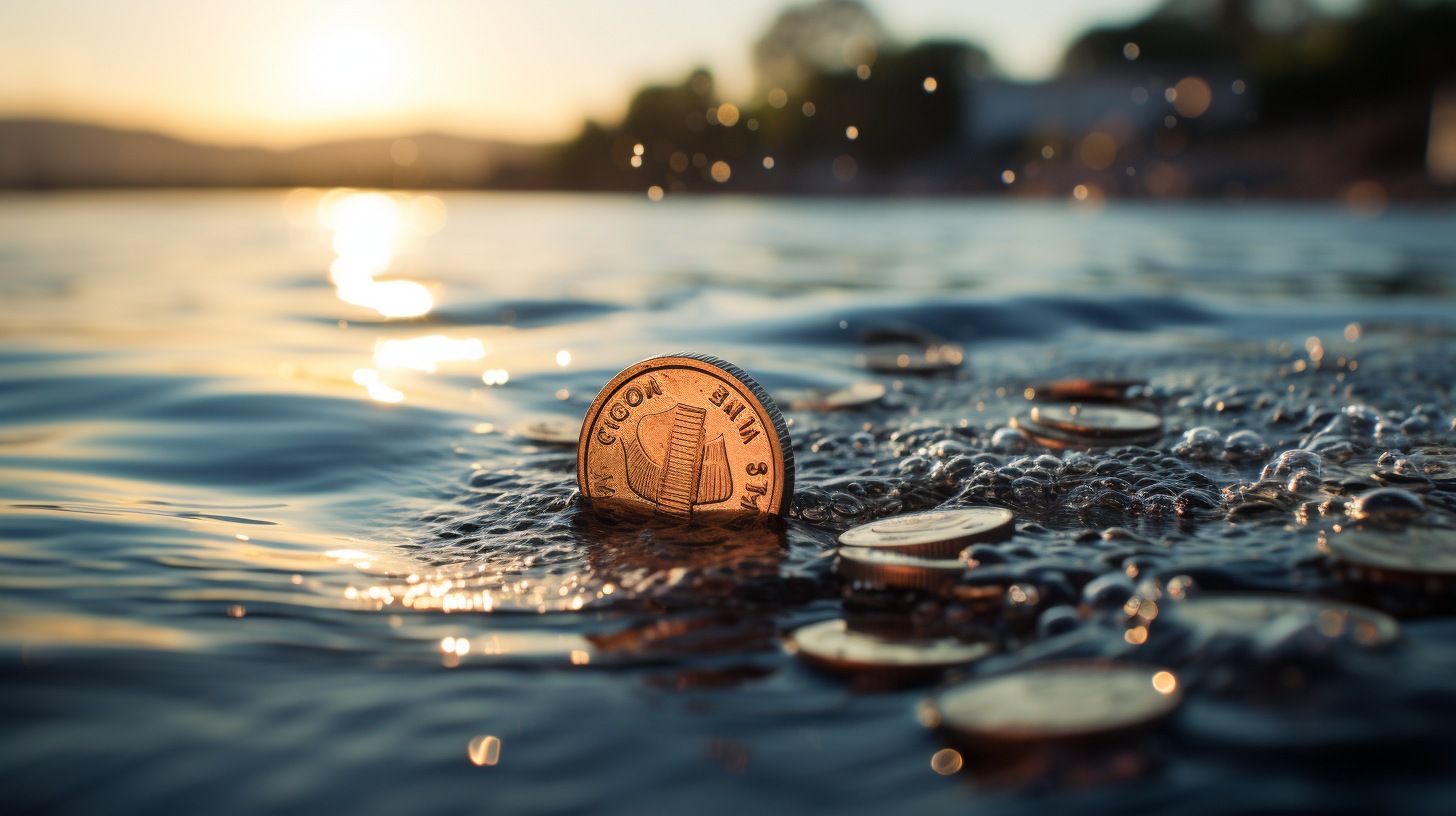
(1060,700)
(852,396)
(1097,420)
(934,533)
(1414,553)
(892,569)
(1249,613)
(685,434)
(1104,391)
(550,430)
(834,646)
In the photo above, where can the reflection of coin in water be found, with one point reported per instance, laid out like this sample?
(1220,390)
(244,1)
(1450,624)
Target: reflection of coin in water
(856,395)
(1059,700)
(685,434)
(550,430)
(1411,554)
(1085,390)
(1097,420)
(878,566)
(1249,613)
(936,533)
(834,647)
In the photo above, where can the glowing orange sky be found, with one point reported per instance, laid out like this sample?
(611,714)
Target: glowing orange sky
(285,73)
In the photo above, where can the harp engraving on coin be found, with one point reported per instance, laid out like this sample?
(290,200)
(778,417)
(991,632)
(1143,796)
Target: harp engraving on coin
(685,434)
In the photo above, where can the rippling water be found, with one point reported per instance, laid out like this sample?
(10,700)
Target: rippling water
(247,506)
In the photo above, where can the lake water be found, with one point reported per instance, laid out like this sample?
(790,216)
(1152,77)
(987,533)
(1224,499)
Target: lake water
(243,507)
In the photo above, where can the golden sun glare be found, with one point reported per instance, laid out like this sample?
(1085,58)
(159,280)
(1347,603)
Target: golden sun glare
(349,65)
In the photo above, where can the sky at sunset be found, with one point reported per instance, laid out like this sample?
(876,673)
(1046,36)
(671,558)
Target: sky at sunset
(286,73)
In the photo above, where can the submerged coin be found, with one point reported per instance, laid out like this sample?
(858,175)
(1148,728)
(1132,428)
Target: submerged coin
(1097,420)
(1412,553)
(684,434)
(1058,701)
(550,430)
(877,566)
(935,533)
(1085,390)
(903,358)
(834,646)
(1248,613)
(852,396)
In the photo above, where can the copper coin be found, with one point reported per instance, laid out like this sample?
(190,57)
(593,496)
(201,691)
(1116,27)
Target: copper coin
(833,646)
(550,430)
(877,566)
(1413,553)
(686,434)
(1097,420)
(1248,613)
(935,533)
(1057,700)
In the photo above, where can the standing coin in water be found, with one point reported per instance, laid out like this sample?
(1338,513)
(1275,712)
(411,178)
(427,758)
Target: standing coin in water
(835,646)
(1097,420)
(1415,554)
(686,434)
(876,565)
(550,430)
(1059,700)
(1249,613)
(934,533)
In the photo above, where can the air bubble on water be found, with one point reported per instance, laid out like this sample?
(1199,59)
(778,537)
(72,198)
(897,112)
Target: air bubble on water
(1385,505)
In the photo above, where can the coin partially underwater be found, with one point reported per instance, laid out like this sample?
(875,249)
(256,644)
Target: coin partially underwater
(1059,700)
(834,646)
(1081,390)
(685,434)
(1413,554)
(1097,420)
(1248,613)
(936,533)
(892,569)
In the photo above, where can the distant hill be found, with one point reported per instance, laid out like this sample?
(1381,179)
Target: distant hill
(40,154)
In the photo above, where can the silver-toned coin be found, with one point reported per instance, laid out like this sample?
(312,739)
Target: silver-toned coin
(1412,553)
(893,569)
(549,429)
(1057,701)
(1097,420)
(835,647)
(1249,613)
(904,358)
(935,533)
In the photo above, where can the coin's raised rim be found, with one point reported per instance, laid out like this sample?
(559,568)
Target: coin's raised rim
(890,568)
(1387,628)
(707,364)
(934,543)
(1050,732)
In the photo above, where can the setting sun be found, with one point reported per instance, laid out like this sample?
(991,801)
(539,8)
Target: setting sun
(349,65)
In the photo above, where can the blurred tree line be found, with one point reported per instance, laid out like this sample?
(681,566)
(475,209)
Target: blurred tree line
(837,97)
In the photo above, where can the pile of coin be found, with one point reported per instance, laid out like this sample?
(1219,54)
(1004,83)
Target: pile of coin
(1077,425)
(920,550)
(885,647)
